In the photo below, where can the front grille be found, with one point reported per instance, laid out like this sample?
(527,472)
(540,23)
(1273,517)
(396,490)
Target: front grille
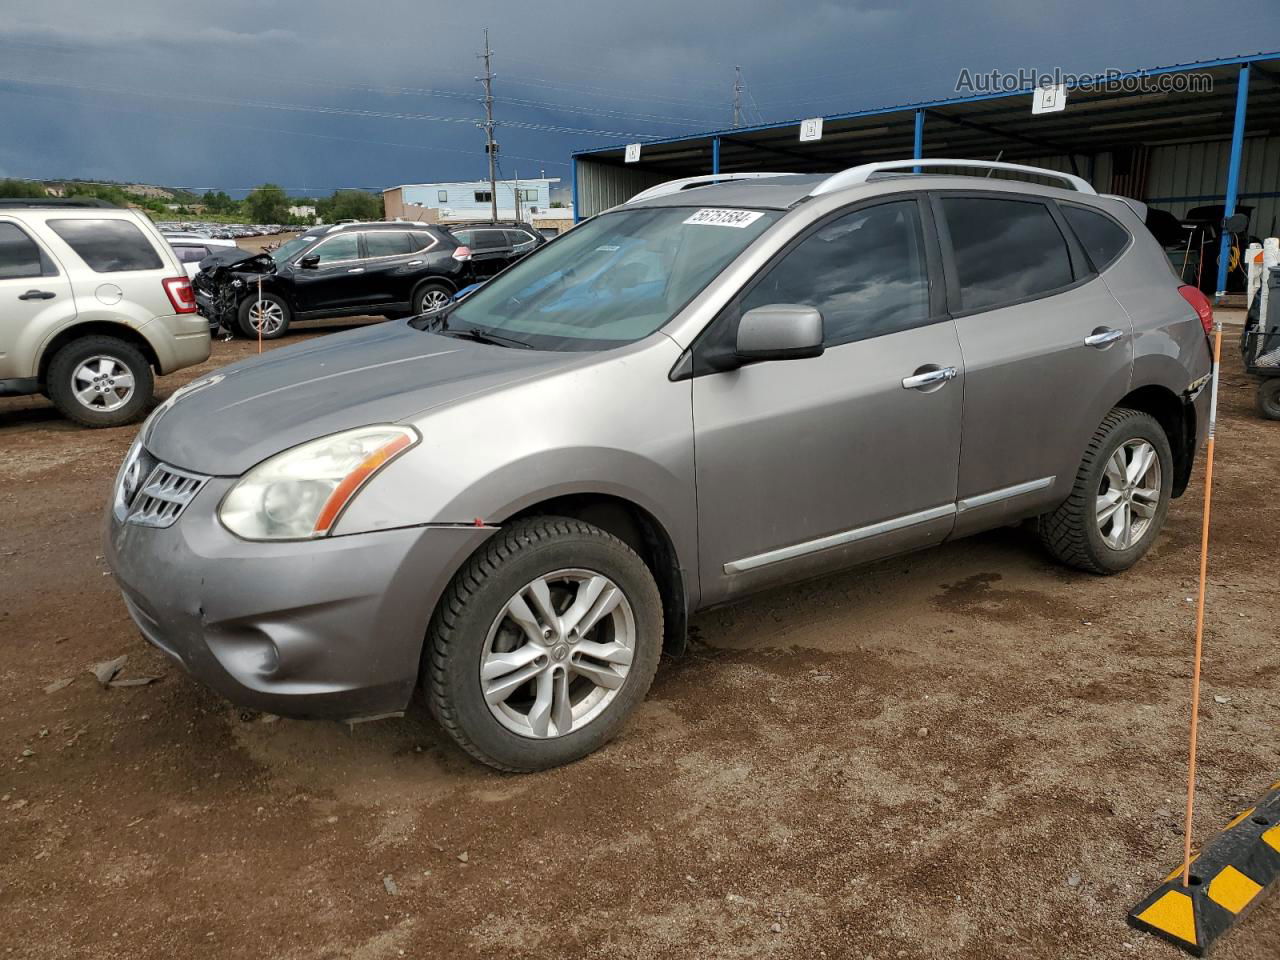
(164,496)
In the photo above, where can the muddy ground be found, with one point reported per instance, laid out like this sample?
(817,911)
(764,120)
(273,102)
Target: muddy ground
(964,753)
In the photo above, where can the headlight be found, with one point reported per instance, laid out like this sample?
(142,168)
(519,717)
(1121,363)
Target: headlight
(300,493)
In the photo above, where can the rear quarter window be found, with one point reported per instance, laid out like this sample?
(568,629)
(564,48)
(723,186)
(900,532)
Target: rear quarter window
(1102,238)
(108,246)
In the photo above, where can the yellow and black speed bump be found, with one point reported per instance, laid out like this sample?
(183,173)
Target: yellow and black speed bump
(1227,878)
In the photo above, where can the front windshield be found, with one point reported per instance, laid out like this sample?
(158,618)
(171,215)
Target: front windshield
(613,280)
(290,247)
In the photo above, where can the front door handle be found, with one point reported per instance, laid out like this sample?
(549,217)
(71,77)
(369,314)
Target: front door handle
(414,263)
(1103,337)
(356,270)
(37,295)
(922,379)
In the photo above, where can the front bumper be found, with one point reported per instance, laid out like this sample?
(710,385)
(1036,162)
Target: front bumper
(329,628)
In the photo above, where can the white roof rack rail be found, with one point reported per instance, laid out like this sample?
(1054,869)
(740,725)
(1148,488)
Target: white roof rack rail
(861,174)
(688,183)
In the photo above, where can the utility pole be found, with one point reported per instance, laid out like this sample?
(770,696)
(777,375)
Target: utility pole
(490,146)
(517,195)
(737,96)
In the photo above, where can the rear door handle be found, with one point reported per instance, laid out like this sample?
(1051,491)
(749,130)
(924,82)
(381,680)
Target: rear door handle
(414,263)
(928,378)
(356,270)
(1103,337)
(37,295)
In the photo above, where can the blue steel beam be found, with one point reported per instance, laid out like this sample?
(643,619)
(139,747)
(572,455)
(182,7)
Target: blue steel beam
(1233,175)
(917,148)
(715,155)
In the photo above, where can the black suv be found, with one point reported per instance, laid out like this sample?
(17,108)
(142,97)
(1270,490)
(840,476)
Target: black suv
(495,245)
(393,269)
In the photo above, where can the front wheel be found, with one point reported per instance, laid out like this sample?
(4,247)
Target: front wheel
(1120,497)
(271,314)
(543,644)
(1267,399)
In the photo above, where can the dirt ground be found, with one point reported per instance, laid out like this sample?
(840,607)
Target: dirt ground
(965,753)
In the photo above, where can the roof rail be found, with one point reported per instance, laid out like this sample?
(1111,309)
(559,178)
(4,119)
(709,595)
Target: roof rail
(861,174)
(706,180)
(35,203)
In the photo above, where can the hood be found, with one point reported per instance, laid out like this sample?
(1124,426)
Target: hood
(224,424)
(234,257)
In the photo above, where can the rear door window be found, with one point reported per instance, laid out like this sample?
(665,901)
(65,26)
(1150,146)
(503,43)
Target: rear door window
(489,240)
(19,255)
(108,246)
(1102,238)
(387,243)
(1005,251)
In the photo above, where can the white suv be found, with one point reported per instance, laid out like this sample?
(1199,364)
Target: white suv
(92,300)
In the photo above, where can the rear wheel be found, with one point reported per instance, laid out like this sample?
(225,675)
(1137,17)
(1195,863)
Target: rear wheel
(100,381)
(430,297)
(543,644)
(1267,399)
(1120,497)
(271,313)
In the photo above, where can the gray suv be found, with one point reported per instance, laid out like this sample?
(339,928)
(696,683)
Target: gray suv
(515,502)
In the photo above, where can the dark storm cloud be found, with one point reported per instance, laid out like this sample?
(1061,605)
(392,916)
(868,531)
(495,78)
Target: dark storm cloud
(322,94)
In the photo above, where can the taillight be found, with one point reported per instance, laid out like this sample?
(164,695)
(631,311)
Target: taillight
(180,294)
(1200,304)
(462,253)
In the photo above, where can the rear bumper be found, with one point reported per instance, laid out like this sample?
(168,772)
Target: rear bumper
(330,628)
(179,340)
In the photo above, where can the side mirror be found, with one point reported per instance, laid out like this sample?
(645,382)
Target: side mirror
(310,261)
(1236,223)
(779,331)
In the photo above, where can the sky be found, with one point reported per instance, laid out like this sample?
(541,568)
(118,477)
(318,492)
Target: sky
(326,94)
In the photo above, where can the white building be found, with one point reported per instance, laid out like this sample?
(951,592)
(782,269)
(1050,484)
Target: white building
(469,200)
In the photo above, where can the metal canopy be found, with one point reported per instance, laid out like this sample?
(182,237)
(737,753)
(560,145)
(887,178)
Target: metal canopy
(980,126)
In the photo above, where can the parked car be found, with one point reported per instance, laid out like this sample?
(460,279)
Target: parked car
(95,302)
(392,269)
(495,245)
(191,250)
(513,504)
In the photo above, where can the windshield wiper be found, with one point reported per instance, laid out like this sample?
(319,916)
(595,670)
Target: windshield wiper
(479,335)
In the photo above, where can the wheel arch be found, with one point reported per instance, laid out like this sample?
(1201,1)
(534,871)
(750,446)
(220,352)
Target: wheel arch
(438,281)
(642,532)
(1176,418)
(90,328)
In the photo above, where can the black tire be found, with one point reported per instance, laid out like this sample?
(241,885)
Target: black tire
(1267,399)
(274,302)
(476,598)
(65,366)
(1071,533)
(426,292)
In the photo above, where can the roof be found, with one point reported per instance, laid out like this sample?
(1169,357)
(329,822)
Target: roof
(1093,120)
(768,194)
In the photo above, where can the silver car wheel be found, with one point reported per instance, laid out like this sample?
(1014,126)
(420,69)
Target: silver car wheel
(558,653)
(1129,494)
(102,383)
(434,300)
(266,316)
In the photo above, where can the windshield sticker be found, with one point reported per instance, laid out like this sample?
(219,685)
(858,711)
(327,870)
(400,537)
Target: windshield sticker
(711,217)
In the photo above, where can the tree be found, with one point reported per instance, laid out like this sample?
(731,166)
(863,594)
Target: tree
(350,205)
(267,204)
(21,189)
(218,202)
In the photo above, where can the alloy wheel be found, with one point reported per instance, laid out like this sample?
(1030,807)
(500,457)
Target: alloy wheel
(102,383)
(558,653)
(1129,494)
(434,300)
(266,316)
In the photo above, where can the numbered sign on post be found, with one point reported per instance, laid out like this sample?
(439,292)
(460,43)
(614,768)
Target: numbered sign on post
(1049,99)
(633,153)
